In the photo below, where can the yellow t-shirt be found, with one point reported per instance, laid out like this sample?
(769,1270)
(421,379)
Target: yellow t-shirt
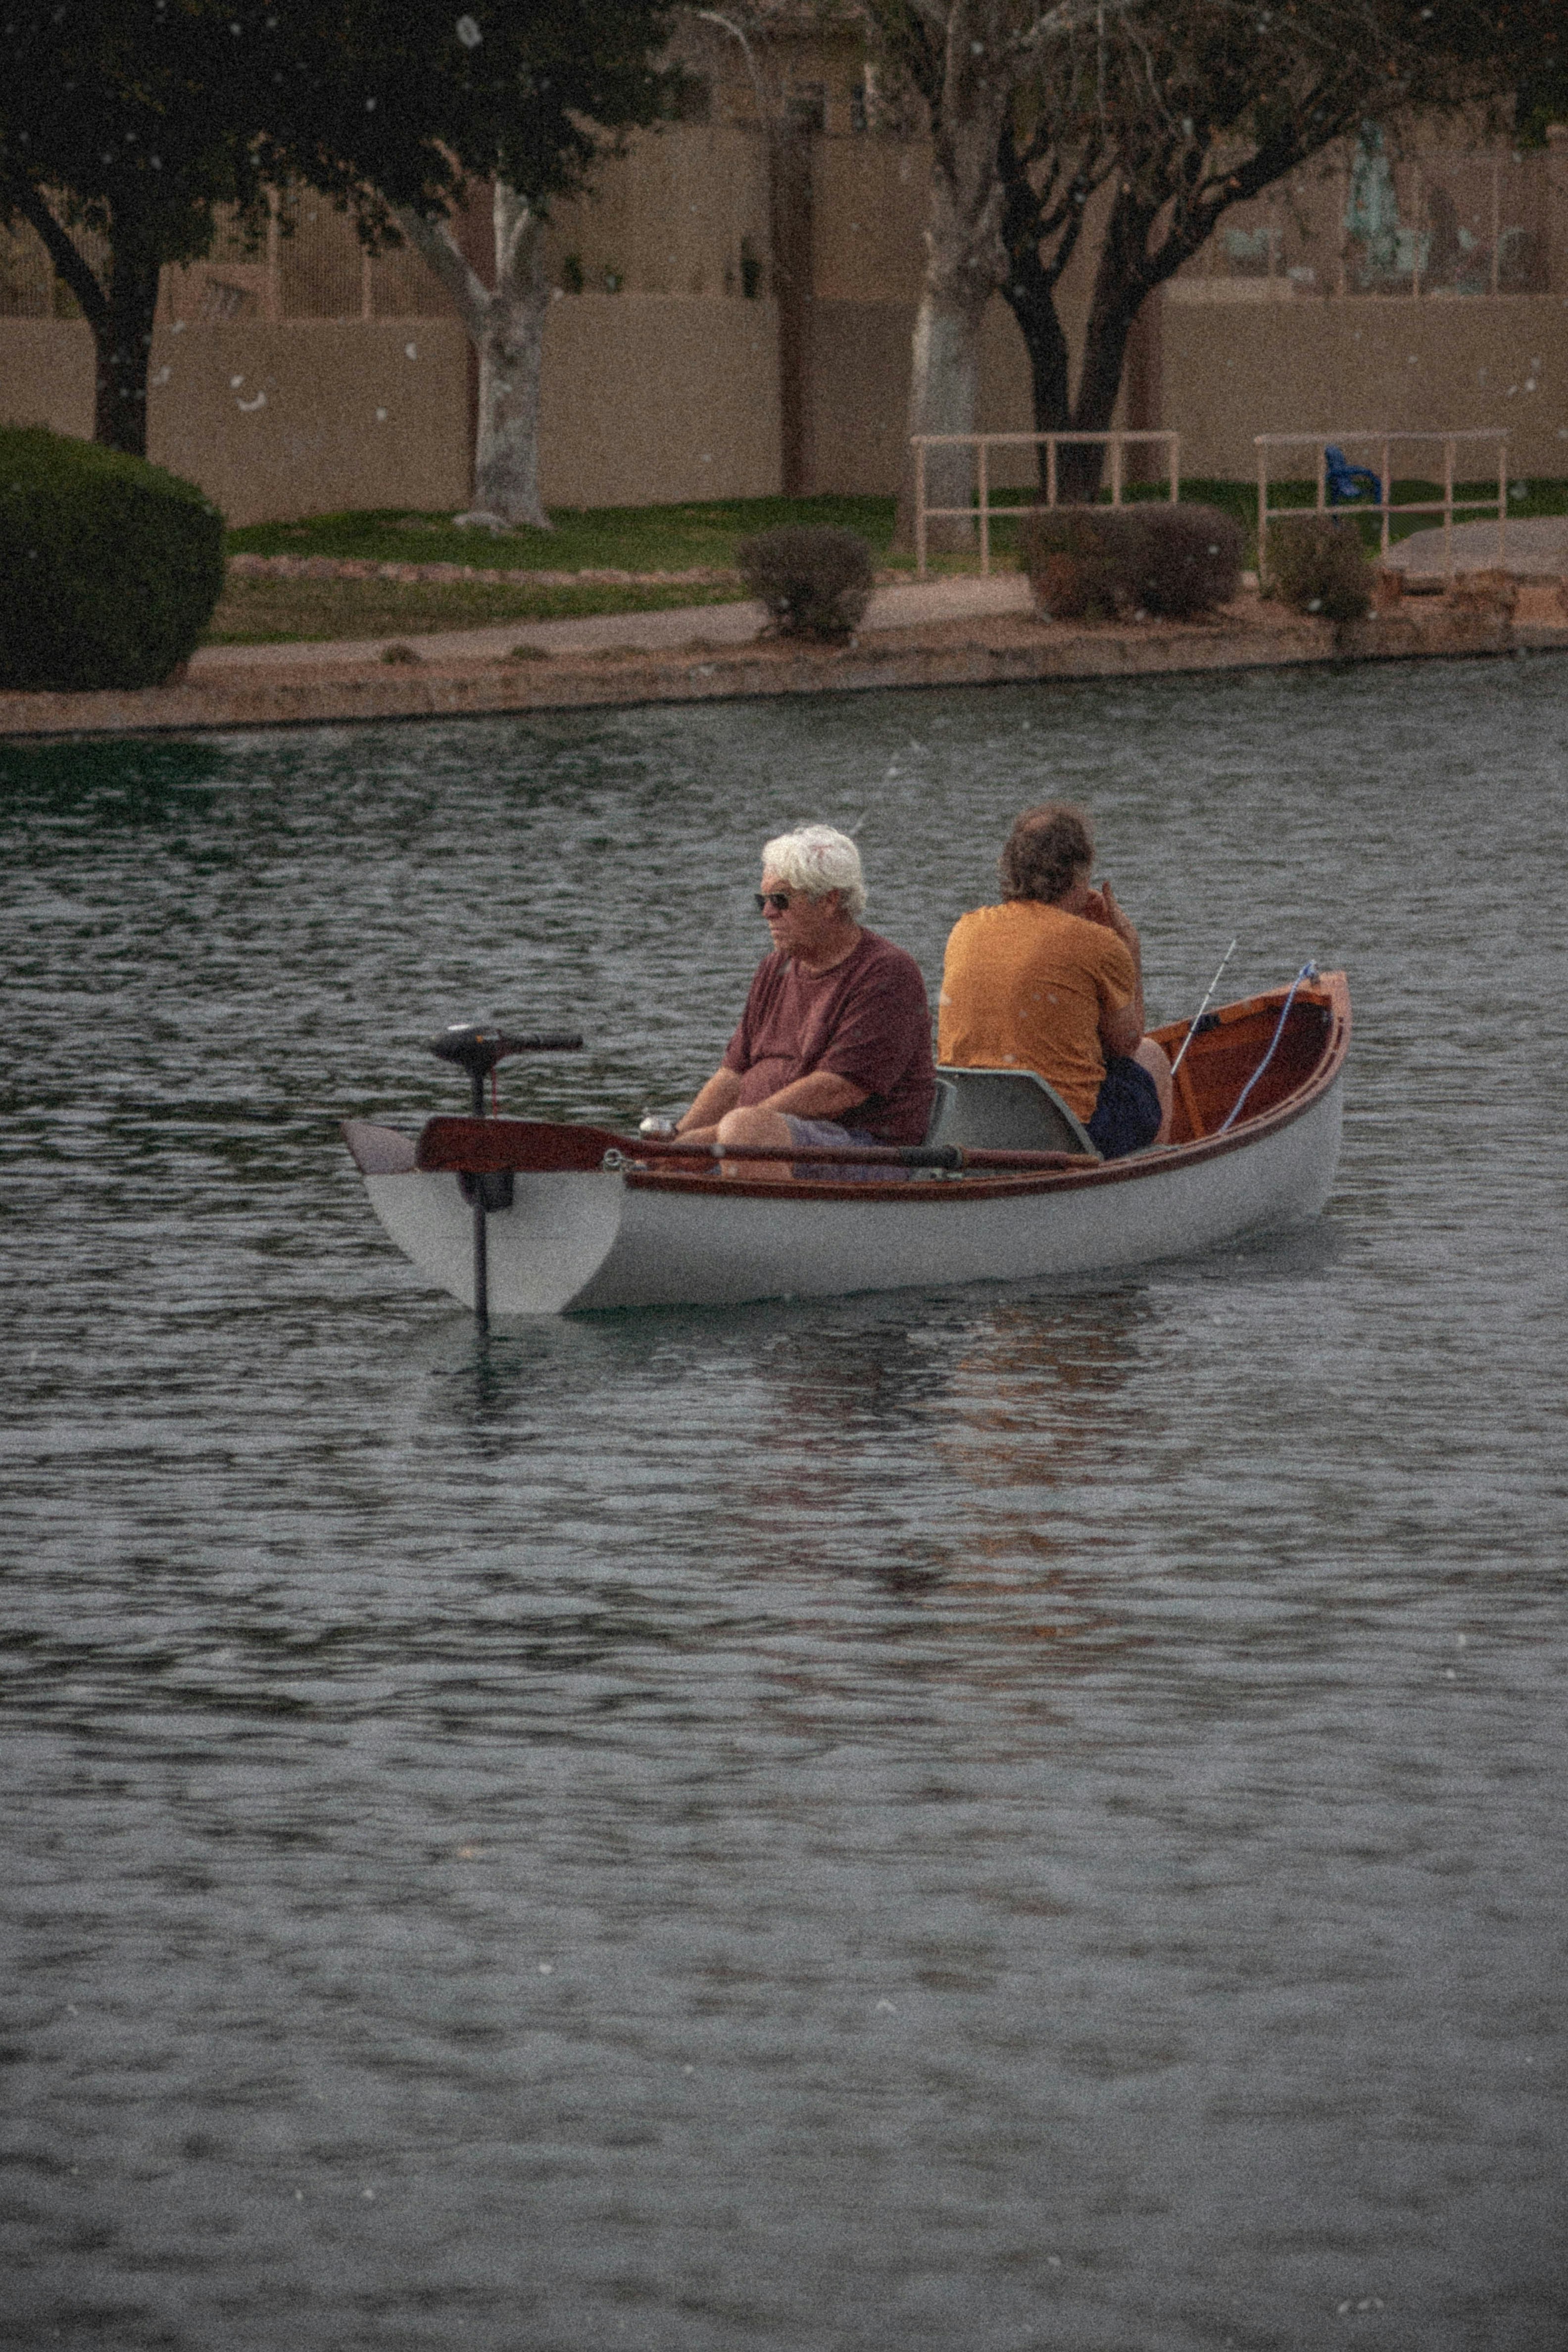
(1023,986)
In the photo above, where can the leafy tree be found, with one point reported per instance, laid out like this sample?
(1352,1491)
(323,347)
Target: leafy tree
(407,101)
(1182,113)
(967,60)
(136,121)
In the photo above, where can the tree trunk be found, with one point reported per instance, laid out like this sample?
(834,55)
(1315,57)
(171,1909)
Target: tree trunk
(506,330)
(1123,281)
(122,346)
(1030,295)
(965,262)
(790,198)
(120,314)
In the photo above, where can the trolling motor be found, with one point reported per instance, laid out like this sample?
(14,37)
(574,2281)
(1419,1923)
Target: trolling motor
(478,1050)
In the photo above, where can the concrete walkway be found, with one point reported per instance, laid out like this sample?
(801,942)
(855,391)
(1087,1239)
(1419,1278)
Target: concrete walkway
(910,604)
(1534,547)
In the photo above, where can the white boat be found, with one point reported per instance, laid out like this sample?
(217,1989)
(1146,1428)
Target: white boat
(525,1217)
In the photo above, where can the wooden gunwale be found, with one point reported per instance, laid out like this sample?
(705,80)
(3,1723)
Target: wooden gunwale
(1332,993)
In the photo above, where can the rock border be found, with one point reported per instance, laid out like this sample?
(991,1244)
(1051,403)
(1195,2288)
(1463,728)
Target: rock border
(1002,651)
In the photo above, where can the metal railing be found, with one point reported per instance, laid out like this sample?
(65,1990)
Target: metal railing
(1447,505)
(1051,442)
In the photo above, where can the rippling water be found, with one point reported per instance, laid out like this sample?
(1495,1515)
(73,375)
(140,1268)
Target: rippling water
(938,1823)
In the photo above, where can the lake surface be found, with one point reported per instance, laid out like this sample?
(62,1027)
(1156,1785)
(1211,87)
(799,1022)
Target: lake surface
(962,1821)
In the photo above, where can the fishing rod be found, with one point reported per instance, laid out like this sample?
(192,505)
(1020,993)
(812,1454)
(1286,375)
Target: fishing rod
(1203,1008)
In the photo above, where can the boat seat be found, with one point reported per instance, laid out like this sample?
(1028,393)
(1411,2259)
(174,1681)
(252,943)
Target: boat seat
(1004,1110)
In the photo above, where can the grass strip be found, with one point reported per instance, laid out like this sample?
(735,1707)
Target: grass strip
(302,612)
(616,538)
(700,535)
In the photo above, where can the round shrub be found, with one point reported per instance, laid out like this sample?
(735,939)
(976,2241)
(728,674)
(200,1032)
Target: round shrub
(1077,560)
(109,568)
(1316,565)
(815,581)
(1182,560)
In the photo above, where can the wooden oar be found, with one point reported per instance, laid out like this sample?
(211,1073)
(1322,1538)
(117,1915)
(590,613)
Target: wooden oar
(475,1147)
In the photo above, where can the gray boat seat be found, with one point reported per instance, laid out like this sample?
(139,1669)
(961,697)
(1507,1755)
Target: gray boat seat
(1004,1110)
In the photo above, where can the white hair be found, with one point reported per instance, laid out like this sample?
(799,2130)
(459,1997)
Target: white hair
(816,859)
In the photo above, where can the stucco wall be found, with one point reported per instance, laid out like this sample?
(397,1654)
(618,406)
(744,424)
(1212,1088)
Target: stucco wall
(274,420)
(651,399)
(645,399)
(1233,368)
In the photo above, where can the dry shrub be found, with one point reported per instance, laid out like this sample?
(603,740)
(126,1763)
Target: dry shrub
(1181,561)
(1388,589)
(815,581)
(1075,558)
(1316,565)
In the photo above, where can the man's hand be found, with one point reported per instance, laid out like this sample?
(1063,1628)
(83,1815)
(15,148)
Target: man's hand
(1101,907)
(1120,1032)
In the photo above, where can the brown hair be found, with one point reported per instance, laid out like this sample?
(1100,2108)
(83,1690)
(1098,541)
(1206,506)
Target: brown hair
(1047,847)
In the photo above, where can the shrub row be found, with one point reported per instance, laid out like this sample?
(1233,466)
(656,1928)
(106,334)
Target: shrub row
(1103,562)
(109,568)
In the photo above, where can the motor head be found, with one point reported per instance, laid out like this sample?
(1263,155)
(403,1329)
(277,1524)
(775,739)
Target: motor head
(477,1048)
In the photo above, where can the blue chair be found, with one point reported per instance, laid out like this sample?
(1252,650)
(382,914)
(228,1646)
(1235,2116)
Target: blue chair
(1346,482)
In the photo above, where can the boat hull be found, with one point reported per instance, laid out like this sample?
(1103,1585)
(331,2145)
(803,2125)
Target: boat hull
(577,1242)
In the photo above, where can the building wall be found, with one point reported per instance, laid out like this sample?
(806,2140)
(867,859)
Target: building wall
(304,398)
(645,400)
(652,400)
(273,420)
(677,214)
(1233,368)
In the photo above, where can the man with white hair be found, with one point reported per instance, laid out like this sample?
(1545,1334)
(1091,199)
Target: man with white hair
(833,1046)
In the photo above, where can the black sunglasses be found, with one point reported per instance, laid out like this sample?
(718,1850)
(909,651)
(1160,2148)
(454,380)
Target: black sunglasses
(779,900)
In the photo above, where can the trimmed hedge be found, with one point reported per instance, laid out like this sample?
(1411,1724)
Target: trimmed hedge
(109,568)
(815,581)
(1096,563)
(1183,559)
(1077,560)
(1316,565)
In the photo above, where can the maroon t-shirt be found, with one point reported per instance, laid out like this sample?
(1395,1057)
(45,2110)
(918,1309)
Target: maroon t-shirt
(867,1020)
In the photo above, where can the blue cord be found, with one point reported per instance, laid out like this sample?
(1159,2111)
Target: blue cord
(1308,972)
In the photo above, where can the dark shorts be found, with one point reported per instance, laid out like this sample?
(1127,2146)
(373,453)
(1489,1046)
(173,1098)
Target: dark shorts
(1127,1113)
(827,1131)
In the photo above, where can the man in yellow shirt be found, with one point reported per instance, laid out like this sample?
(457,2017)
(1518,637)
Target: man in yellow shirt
(1052,980)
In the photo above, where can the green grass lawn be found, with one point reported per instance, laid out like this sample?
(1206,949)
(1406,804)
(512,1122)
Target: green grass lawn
(267,612)
(618,539)
(636,539)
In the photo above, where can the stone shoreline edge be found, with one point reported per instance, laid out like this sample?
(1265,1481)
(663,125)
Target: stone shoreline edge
(974,653)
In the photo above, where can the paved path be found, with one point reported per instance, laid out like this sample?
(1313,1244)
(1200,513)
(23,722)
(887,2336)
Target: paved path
(1535,547)
(907,605)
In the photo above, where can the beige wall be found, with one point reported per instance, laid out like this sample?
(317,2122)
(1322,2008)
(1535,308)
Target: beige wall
(860,376)
(1233,368)
(650,401)
(645,400)
(274,420)
(670,217)
(653,398)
